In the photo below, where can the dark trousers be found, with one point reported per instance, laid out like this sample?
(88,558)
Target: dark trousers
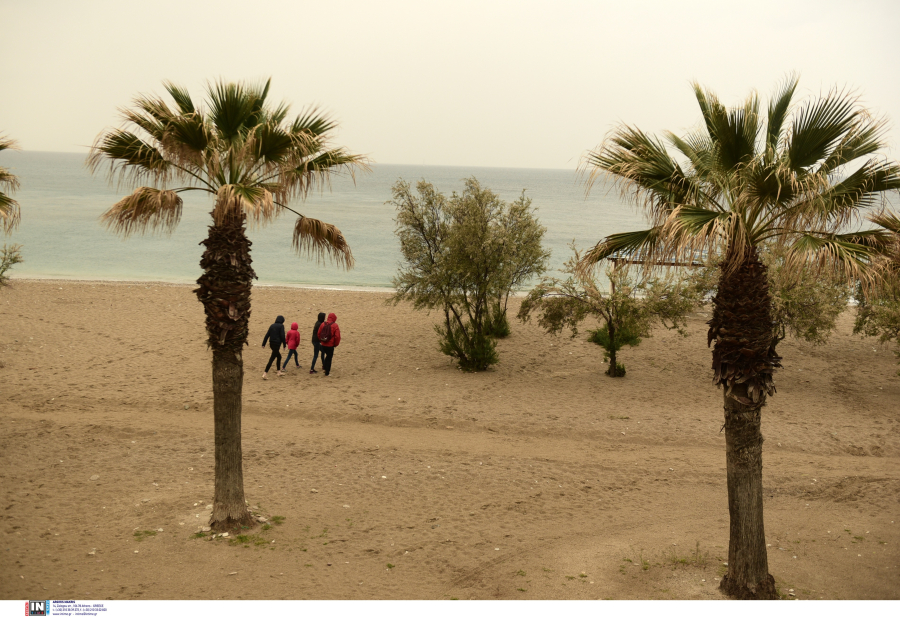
(276,358)
(327,355)
(291,353)
(318,350)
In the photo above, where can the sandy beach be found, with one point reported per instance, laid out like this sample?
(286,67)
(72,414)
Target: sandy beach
(401,477)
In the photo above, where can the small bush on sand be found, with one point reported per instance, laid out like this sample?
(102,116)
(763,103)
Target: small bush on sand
(9,256)
(627,312)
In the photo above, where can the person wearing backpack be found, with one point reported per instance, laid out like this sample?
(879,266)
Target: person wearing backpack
(317,348)
(275,337)
(329,338)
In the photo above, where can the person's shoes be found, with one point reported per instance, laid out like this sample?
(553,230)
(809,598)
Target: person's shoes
(264,375)
(280,373)
(312,370)
(326,374)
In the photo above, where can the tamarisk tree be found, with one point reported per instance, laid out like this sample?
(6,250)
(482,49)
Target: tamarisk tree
(464,255)
(627,312)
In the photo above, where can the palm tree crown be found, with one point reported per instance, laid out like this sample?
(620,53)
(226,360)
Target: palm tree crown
(746,181)
(238,148)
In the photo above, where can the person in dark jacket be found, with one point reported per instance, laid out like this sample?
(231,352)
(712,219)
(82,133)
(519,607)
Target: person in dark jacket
(317,348)
(276,339)
(329,338)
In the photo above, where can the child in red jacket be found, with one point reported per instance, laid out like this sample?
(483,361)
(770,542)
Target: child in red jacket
(293,340)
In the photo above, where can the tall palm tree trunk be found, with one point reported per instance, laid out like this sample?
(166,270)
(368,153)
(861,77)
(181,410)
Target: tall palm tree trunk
(744,360)
(748,575)
(224,291)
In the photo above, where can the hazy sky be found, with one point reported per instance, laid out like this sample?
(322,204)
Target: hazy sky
(503,84)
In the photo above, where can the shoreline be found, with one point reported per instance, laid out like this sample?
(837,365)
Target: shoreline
(136,282)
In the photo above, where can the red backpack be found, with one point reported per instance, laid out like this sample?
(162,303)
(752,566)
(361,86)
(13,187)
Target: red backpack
(325,332)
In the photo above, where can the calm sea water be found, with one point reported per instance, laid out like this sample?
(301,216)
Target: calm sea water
(62,238)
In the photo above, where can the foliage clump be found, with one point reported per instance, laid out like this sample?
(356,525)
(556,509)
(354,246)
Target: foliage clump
(627,312)
(9,256)
(464,255)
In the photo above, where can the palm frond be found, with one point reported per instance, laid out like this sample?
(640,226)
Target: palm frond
(321,241)
(234,107)
(733,132)
(879,239)
(181,97)
(10,211)
(645,171)
(887,219)
(7,143)
(862,139)
(838,253)
(187,139)
(840,202)
(313,122)
(130,158)
(779,107)
(8,180)
(317,171)
(145,210)
(818,127)
(625,243)
(698,148)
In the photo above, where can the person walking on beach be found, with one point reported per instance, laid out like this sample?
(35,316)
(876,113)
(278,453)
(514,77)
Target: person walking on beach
(293,340)
(329,338)
(317,348)
(276,339)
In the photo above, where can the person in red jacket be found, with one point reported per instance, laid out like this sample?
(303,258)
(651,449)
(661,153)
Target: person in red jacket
(329,338)
(293,340)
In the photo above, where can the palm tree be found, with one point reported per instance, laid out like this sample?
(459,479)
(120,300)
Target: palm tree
(743,184)
(9,184)
(246,154)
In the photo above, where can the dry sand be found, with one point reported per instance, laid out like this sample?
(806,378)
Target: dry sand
(400,477)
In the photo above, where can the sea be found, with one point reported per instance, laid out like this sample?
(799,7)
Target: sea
(62,238)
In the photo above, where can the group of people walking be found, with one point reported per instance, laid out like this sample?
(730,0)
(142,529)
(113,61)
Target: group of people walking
(325,337)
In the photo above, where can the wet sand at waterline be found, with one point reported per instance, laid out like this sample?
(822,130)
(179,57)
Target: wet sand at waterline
(400,477)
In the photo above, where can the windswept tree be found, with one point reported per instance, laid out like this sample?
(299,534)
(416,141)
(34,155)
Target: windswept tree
(878,313)
(9,184)
(792,179)
(252,160)
(627,312)
(464,255)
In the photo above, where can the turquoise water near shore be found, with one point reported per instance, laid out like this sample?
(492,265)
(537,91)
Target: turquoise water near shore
(62,238)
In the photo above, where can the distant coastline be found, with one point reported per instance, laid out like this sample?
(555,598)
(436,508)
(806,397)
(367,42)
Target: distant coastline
(31,278)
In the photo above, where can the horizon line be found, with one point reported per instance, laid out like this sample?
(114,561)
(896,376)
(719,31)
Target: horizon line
(24,150)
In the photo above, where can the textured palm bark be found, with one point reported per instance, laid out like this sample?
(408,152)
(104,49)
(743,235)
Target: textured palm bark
(744,362)
(224,290)
(748,575)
